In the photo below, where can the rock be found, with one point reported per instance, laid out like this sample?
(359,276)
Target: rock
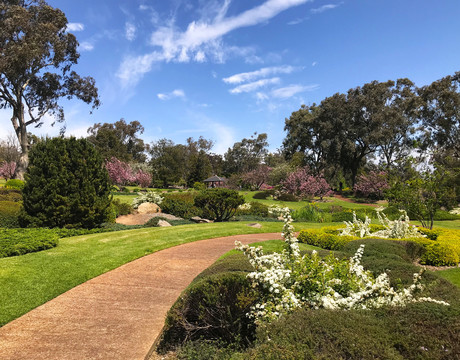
(148,208)
(163,223)
(255,225)
(199,220)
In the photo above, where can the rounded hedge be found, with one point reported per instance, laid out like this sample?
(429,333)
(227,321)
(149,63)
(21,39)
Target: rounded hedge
(66,185)
(439,255)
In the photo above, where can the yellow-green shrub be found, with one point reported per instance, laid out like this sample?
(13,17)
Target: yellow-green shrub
(438,254)
(323,239)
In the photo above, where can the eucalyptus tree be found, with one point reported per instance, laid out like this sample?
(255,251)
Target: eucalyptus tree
(37,55)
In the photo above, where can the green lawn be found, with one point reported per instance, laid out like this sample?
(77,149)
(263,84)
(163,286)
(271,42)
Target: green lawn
(453,275)
(126,198)
(30,280)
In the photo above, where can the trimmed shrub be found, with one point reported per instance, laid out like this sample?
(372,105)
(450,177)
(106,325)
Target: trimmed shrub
(439,255)
(10,195)
(14,184)
(9,214)
(180,205)
(262,195)
(66,185)
(14,242)
(213,308)
(219,204)
(256,209)
(324,240)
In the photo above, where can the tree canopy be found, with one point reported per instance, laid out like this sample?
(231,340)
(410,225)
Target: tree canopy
(37,55)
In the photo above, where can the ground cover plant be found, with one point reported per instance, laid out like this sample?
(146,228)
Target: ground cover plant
(426,330)
(28,281)
(14,242)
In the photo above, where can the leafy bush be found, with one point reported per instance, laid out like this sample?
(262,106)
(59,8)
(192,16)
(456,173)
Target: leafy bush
(199,186)
(149,196)
(324,240)
(213,308)
(310,212)
(10,195)
(153,222)
(121,208)
(14,242)
(14,184)
(439,255)
(219,204)
(9,213)
(262,195)
(254,208)
(66,185)
(181,205)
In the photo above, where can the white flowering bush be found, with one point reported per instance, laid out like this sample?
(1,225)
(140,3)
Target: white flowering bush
(149,196)
(397,229)
(245,206)
(287,281)
(455,211)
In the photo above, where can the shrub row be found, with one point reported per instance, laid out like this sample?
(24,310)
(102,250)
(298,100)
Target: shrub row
(323,239)
(14,242)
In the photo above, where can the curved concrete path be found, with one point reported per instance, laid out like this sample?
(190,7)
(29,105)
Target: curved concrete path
(117,315)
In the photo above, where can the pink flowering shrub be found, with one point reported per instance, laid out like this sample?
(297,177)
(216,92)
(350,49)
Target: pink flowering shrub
(257,177)
(143,179)
(120,173)
(304,185)
(7,169)
(372,185)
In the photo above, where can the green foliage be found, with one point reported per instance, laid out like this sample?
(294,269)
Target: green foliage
(310,212)
(180,205)
(255,208)
(439,255)
(324,240)
(262,195)
(219,204)
(15,184)
(9,213)
(10,195)
(153,222)
(14,242)
(199,186)
(66,185)
(121,208)
(212,308)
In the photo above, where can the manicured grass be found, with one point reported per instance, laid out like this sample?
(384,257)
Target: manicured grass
(125,198)
(453,275)
(30,280)
(295,205)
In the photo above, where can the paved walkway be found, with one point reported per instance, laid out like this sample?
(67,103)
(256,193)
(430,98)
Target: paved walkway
(117,315)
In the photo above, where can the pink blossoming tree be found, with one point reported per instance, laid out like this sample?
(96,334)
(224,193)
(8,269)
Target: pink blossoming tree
(372,185)
(303,184)
(7,169)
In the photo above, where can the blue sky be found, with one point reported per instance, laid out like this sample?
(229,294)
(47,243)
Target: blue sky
(225,69)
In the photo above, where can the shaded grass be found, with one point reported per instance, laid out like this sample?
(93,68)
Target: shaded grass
(30,280)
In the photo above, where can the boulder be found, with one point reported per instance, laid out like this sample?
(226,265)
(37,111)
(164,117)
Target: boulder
(199,220)
(148,208)
(255,225)
(163,223)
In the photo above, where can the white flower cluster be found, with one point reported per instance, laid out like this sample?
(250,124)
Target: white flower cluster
(455,211)
(149,196)
(357,227)
(245,206)
(397,229)
(288,280)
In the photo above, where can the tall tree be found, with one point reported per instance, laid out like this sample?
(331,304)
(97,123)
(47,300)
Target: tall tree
(441,114)
(246,155)
(168,163)
(119,140)
(37,54)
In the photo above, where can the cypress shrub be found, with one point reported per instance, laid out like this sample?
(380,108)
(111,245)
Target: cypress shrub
(66,185)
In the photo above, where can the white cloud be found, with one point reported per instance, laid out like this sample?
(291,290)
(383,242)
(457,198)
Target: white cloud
(314,63)
(324,8)
(75,27)
(252,86)
(291,90)
(260,96)
(177,45)
(130,31)
(85,46)
(178,93)
(132,69)
(249,76)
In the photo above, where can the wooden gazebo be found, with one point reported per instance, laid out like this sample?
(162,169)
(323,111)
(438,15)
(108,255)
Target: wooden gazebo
(215,181)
